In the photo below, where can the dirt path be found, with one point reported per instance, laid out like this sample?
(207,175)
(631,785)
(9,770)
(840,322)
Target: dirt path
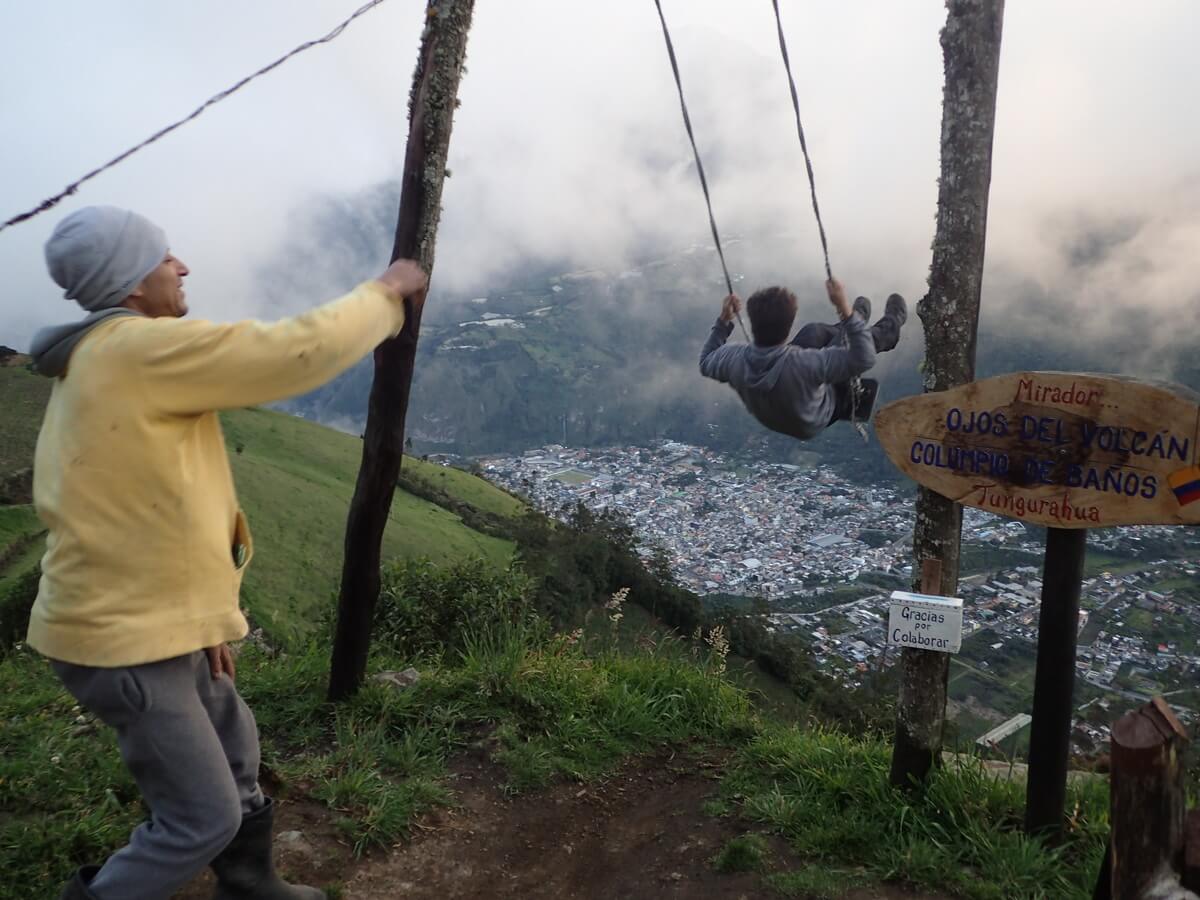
(640,834)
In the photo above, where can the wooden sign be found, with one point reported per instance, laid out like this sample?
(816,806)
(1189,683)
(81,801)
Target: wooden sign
(1059,449)
(925,622)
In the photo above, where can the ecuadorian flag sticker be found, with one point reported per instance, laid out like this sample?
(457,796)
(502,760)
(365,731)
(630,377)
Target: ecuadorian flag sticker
(1186,485)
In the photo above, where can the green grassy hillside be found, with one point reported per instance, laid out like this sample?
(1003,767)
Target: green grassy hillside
(20,543)
(295,480)
(525,709)
(25,396)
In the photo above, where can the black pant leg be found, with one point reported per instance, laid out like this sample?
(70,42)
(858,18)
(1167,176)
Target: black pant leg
(886,334)
(816,336)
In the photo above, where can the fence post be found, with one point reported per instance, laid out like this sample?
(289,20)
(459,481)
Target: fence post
(1147,804)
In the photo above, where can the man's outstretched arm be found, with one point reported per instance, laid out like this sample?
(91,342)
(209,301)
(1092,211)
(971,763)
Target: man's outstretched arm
(193,367)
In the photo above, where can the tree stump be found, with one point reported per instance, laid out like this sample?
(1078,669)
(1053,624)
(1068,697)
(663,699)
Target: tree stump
(1147,804)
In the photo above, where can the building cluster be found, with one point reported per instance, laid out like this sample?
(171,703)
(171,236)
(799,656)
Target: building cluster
(823,554)
(765,530)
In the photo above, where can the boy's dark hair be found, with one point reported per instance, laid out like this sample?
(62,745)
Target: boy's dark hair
(772,311)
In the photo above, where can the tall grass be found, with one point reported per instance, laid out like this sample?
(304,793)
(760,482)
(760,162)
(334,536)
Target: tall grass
(544,706)
(830,797)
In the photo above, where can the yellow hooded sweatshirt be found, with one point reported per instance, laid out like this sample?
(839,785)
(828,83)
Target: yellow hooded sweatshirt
(146,544)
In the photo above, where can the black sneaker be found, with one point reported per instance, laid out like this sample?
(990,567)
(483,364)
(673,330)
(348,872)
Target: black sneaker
(896,308)
(862,306)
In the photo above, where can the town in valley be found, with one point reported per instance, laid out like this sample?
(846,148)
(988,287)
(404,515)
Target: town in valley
(819,556)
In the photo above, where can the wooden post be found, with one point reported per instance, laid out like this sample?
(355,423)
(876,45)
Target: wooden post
(950,314)
(1147,804)
(1054,681)
(432,102)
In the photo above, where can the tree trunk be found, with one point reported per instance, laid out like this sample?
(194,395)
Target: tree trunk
(431,106)
(950,315)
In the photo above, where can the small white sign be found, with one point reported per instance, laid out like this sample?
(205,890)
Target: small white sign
(925,622)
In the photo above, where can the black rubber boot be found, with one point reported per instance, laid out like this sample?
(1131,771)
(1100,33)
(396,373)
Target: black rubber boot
(77,887)
(244,869)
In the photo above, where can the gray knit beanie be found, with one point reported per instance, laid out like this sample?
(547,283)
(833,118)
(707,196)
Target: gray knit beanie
(99,254)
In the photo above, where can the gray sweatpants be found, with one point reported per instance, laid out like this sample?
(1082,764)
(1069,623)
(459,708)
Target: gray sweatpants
(191,744)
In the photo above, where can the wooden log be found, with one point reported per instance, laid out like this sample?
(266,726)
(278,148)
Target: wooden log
(1147,804)
(432,102)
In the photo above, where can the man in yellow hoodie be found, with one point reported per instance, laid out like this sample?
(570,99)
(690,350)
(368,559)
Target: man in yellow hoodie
(146,544)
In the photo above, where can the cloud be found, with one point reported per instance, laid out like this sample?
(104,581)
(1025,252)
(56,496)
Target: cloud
(569,144)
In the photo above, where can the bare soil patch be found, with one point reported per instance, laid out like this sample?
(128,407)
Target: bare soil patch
(640,834)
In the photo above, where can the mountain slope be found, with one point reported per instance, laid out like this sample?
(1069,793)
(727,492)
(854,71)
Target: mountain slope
(295,480)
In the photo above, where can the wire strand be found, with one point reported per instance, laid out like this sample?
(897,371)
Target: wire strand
(74,186)
(687,123)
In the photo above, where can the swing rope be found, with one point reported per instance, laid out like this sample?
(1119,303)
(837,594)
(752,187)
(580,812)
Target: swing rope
(856,388)
(812,183)
(687,123)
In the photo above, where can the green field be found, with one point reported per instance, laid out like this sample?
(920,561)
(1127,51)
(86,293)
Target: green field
(20,546)
(1001,680)
(1097,561)
(295,480)
(1186,588)
(469,488)
(15,523)
(833,596)
(572,476)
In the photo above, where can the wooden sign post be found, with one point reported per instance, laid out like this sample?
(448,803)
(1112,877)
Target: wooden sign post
(1071,452)
(1061,450)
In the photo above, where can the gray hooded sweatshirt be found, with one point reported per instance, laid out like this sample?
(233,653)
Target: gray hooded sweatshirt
(789,389)
(52,347)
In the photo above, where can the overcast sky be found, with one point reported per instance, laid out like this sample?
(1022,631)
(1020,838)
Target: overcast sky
(569,141)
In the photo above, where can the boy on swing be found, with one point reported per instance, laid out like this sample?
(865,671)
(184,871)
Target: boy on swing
(800,388)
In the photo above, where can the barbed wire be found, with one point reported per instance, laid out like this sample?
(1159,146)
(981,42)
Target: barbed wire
(74,186)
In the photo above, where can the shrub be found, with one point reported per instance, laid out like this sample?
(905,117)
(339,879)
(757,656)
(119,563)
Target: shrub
(744,853)
(426,610)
